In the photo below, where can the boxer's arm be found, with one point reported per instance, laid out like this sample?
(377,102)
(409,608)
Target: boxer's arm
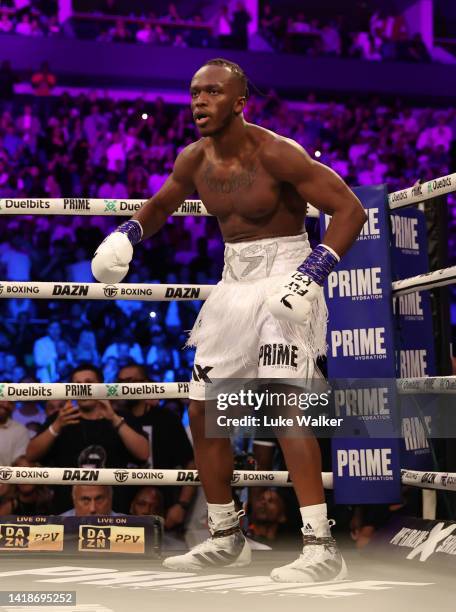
(317,184)
(178,186)
(287,162)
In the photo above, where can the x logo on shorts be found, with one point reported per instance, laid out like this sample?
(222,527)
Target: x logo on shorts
(200,374)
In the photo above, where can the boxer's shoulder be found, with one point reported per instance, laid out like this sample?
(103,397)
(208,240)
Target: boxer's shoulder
(283,156)
(189,159)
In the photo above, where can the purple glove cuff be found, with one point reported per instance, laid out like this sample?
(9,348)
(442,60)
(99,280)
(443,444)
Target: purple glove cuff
(319,265)
(133,231)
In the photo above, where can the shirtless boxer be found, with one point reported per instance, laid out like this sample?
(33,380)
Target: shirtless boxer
(257,184)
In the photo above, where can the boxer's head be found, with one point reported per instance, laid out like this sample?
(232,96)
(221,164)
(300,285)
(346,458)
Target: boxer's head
(219,93)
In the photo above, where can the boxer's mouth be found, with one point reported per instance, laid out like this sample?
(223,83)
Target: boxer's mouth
(201,119)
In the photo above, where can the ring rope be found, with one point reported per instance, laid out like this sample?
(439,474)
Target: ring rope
(177,390)
(103,207)
(429,280)
(132,476)
(164,293)
(97,391)
(97,291)
(241,478)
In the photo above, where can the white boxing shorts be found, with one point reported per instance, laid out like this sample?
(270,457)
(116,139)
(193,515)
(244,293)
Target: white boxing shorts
(236,336)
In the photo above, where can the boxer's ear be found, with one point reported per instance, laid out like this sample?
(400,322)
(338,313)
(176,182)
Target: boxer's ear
(239,105)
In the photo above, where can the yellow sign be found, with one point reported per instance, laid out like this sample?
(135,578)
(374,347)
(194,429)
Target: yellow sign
(114,539)
(31,537)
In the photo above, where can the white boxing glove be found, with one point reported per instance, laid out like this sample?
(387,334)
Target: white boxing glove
(112,258)
(293,301)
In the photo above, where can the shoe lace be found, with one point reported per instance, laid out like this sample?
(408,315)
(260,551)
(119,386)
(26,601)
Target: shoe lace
(312,545)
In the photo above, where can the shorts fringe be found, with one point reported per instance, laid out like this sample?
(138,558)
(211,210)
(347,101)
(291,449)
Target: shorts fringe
(229,323)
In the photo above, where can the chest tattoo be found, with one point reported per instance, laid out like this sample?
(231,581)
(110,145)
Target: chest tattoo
(235,182)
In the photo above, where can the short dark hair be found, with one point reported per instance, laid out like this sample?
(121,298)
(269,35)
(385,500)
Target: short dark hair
(82,367)
(236,70)
(138,366)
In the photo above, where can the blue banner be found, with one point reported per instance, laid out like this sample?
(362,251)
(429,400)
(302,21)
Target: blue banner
(414,336)
(362,345)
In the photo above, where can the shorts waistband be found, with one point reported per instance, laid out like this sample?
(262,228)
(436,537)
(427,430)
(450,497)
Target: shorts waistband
(256,259)
(303,237)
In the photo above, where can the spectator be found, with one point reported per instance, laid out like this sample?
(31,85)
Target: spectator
(13,436)
(157,178)
(8,79)
(120,33)
(7,495)
(88,435)
(148,501)
(94,124)
(80,271)
(91,500)
(86,350)
(441,135)
(299,25)
(223,27)
(179,41)
(272,26)
(29,127)
(53,26)
(113,188)
(6,24)
(172,14)
(124,350)
(116,154)
(28,412)
(161,425)
(45,353)
(330,40)
(24,25)
(44,81)
(52,407)
(146,34)
(65,359)
(268,517)
(239,27)
(15,258)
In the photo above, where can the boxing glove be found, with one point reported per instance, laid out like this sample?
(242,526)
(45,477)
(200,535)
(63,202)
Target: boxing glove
(112,258)
(293,301)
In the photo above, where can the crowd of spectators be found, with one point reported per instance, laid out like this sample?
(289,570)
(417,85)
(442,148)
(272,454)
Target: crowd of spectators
(30,18)
(367,33)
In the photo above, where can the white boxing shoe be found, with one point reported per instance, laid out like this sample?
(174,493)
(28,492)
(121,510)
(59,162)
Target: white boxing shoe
(320,561)
(225,548)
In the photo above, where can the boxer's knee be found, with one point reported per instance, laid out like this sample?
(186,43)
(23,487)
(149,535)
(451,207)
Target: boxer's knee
(196,410)
(196,416)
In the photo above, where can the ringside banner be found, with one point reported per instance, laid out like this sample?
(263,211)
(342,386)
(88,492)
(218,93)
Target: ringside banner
(414,337)
(361,344)
(116,535)
(415,541)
